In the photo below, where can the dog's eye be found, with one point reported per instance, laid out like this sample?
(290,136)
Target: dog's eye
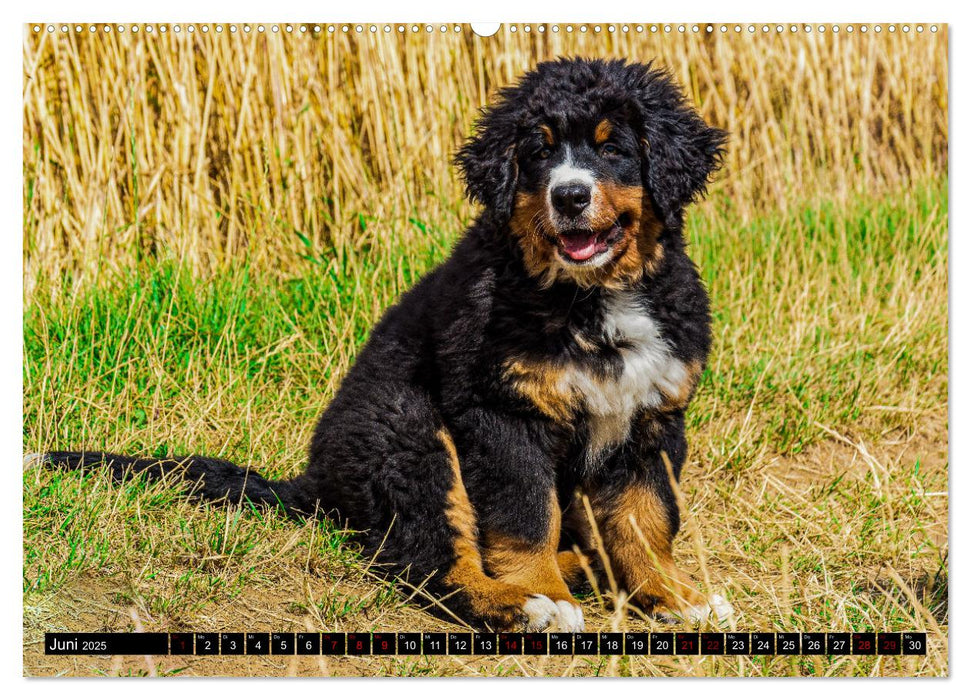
(610,149)
(544,153)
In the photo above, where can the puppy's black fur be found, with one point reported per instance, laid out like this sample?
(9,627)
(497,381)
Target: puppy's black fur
(459,441)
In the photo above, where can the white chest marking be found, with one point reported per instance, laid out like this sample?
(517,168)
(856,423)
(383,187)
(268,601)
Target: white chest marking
(650,373)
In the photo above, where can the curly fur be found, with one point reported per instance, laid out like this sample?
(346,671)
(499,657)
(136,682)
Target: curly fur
(492,393)
(680,150)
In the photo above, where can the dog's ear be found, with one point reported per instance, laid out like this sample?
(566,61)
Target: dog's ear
(680,151)
(488,160)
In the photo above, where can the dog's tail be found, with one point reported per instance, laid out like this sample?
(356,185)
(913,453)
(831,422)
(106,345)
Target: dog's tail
(210,479)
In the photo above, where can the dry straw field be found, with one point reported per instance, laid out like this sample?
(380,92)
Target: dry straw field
(213,221)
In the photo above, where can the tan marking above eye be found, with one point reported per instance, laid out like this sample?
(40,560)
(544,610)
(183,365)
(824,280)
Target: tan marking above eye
(602,132)
(547,134)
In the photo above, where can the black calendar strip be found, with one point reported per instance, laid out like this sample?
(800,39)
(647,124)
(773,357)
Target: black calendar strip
(487,643)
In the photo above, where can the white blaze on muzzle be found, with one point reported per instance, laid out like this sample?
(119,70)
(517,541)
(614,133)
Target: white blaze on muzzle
(567,173)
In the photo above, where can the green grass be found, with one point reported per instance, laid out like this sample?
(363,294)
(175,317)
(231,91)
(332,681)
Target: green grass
(819,433)
(159,340)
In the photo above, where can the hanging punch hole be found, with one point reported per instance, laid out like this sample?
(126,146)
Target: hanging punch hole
(486,29)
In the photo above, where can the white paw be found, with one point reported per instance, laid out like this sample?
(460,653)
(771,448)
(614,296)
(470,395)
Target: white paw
(541,612)
(34,460)
(716,604)
(721,607)
(570,618)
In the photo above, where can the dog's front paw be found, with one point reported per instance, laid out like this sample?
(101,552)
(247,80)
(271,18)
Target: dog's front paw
(570,618)
(715,604)
(542,614)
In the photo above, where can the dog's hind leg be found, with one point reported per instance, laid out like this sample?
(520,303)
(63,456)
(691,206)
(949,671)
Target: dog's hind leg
(510,477)
(535,565)
(501,604)
(393,474)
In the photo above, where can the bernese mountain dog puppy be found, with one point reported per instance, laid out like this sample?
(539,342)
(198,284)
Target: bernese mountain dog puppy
(535,382)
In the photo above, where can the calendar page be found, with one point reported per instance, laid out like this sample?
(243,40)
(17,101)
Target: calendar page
(550,349)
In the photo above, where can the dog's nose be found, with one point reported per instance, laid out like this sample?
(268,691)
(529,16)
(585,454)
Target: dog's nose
(571,199)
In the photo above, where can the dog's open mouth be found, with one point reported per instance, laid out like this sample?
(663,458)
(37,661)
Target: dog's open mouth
(582,245)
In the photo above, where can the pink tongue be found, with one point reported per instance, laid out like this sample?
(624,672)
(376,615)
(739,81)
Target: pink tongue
(579,246)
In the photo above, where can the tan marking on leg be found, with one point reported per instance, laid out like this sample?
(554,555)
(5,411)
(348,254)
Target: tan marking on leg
(638,540)
(571,565)
(602,132)
(459,512)
(497,603)
(531,565)
(540,383)
(535,569)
